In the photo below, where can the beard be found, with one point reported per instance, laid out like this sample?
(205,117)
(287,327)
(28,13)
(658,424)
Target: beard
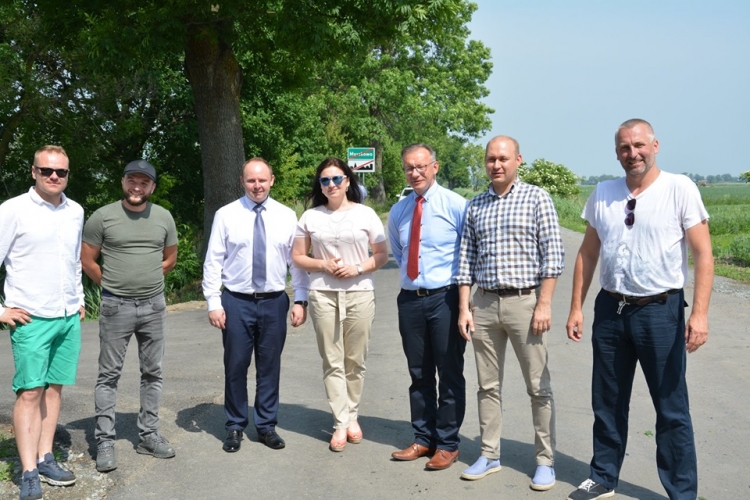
(136,201)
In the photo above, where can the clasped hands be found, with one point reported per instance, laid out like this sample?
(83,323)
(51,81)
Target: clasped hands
(337,269)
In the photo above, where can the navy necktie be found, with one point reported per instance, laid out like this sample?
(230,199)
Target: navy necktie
(259,250)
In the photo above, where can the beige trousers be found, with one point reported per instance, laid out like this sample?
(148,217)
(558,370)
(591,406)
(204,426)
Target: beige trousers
(342,322)
(497,320)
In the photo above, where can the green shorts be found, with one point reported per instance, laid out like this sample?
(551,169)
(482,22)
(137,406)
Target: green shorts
(45,352)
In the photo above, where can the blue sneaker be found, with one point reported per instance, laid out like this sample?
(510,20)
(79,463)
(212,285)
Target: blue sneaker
(31,488)
(544,478)
(481,468)
(51,473)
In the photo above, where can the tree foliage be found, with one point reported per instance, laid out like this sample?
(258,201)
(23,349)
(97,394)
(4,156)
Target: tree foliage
(555,178)
(197,87)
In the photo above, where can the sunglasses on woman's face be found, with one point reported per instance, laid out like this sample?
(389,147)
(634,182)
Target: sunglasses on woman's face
(630,218)
(337,179)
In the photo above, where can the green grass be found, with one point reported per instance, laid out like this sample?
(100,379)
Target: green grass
(8,454)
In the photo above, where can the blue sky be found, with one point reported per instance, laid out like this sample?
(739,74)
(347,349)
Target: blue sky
(567,73)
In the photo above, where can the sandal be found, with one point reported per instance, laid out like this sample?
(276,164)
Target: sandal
(337,444)
(354,437)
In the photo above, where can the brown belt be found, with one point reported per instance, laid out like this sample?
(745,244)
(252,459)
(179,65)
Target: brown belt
(633,300)
(509,292)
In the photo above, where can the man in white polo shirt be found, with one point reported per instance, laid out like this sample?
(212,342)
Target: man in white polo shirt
(40,244)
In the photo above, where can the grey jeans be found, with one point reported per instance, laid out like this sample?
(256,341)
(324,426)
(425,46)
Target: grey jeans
(119,319)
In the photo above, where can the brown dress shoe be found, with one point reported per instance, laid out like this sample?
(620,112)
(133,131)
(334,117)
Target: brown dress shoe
(413,452)
(442,459)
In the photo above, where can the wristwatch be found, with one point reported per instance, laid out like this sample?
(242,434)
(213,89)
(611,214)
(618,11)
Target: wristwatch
(359,269)
(303,303)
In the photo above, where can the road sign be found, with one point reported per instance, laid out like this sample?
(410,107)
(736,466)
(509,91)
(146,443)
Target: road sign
(361,159)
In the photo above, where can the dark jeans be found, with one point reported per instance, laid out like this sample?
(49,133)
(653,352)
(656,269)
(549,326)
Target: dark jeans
(119,320)
(653,335)
(260,325)
(432,344)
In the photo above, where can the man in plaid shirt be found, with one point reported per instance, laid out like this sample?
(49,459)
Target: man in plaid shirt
(511,248)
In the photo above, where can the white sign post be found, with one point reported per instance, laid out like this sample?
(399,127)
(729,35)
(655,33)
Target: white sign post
(361,159)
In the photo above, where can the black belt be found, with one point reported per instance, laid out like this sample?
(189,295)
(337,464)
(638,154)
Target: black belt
(424,292)
(257,295)
(634,300)
(508,292)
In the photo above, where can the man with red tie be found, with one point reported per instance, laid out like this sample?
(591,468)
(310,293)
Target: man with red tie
(424,230)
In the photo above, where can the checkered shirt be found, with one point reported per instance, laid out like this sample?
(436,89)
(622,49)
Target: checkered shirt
(511,241)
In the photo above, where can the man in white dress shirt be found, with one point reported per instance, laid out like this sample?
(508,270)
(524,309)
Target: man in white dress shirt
(40,244)
(249,252)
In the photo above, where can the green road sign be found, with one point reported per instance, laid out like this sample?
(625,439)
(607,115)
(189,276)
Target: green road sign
(361,159)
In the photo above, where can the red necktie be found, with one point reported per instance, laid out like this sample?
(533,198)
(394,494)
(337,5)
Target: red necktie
(412,268)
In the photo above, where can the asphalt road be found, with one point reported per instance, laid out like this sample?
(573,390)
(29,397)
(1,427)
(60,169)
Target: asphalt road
(193,419)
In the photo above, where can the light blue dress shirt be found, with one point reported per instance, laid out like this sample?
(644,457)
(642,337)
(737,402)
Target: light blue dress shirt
(443,213)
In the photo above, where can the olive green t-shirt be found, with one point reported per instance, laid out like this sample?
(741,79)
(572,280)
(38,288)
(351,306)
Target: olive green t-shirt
(132,247)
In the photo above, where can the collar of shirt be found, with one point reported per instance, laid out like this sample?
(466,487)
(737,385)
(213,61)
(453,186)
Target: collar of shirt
(512,189)
(39,201)
(247,202)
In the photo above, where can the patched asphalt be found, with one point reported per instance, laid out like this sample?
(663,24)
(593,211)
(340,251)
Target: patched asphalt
(193,419)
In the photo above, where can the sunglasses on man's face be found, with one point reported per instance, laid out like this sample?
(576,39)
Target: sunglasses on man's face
(630,218)
(337,179)
(62,173)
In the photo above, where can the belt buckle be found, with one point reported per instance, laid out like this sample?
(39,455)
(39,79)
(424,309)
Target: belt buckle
(422,292)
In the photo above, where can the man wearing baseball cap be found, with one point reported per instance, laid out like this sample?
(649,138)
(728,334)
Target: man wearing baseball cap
(137,241)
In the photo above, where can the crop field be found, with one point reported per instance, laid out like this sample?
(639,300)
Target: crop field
(728,206)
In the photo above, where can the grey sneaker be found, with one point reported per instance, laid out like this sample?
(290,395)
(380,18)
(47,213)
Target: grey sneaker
(156,445)
(31,488)
(106,460)
(51,473)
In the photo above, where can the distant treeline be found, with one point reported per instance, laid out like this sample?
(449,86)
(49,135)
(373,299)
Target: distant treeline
(697,178)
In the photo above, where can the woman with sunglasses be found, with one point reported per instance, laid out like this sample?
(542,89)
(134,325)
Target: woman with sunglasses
(339,229)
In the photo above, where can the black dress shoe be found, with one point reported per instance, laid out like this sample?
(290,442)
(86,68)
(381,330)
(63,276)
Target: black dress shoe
(272,440)
(233,441)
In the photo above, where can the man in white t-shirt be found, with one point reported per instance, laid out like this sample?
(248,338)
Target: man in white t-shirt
(642,226)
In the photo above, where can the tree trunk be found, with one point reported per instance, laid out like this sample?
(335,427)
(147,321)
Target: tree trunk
(378,192)
(216,80)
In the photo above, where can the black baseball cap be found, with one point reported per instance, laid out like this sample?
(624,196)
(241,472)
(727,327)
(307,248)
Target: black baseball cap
(140,167)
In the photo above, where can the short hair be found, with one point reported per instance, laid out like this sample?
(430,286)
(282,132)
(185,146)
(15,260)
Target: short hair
(634,122)
(506,137)
(317,198)
(258,159)
(419,145)
(49,149)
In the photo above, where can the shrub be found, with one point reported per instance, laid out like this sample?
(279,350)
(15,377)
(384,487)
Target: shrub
(555,178)
(183,282)
(740,250)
